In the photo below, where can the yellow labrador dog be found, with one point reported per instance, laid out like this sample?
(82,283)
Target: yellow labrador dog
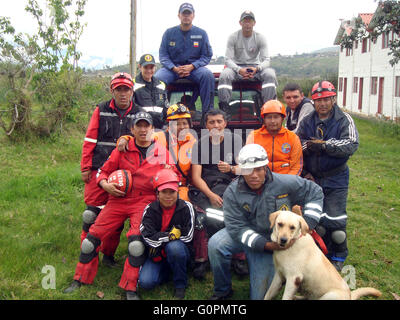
(303,265)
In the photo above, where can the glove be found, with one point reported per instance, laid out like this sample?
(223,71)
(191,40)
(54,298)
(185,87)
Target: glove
(174,234)
(316,145)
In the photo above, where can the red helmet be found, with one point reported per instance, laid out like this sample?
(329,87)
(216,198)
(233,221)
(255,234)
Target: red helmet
(166,179)
(323,89)
(121,79)
(273,106)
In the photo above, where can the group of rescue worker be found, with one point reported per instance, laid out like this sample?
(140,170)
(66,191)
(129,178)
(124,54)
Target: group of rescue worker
(199,202)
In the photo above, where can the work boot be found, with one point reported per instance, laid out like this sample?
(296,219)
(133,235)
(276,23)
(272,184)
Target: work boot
(222,297)
(132,295)
(73,286)
(179,293)
(240,267)
(200,270)
(109,261)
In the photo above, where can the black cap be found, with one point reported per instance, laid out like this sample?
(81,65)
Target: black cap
(186,7)
(247,14)
(147,59)
(141,115)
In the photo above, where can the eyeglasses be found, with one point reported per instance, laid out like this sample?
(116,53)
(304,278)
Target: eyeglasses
(252,160)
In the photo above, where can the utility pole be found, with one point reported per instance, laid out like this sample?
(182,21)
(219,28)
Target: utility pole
(133,39)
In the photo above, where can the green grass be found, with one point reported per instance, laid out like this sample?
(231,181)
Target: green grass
(41,202)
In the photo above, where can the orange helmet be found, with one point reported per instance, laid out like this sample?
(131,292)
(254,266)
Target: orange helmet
(178,111)
(121,79)
(273,106)
(166,179)
(323,89)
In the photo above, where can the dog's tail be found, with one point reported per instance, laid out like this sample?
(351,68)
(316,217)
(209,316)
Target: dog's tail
(361,292)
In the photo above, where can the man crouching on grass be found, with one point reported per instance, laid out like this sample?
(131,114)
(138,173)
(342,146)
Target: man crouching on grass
(248,202)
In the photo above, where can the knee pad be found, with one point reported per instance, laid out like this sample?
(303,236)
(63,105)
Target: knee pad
(89,217)
(137,251)
(338,236)
(89,248)
(320,230)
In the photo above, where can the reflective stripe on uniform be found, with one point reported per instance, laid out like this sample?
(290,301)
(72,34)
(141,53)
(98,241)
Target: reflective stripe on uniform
(248,237)
(90,140)
(108,114)
(110,144)
(224,86)
(139,86)
(153,109)
(267,85)
(215,214)
(161,86)
(313,209)
(342,217)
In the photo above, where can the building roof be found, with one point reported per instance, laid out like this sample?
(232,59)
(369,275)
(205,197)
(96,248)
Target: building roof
(366,18)
(347,26)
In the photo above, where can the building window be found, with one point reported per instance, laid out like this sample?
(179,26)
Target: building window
(385,40)
(374,85)
(397,91)
(349,51)
(340,84)
(355,84)
(364,45)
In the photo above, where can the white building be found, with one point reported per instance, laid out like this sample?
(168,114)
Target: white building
(367,83)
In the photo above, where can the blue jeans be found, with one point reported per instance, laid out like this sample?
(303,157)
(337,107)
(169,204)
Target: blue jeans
(221,247)
(153,273)
(201,76)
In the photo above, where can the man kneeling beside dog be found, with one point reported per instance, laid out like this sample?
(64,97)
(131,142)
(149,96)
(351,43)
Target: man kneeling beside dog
(248,202)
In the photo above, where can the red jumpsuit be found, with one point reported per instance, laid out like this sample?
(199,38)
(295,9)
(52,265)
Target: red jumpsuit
(131,207)
(94,196)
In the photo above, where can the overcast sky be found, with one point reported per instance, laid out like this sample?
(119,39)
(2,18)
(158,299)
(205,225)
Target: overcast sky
(290,26)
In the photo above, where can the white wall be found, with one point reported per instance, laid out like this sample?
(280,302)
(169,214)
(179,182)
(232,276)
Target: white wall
(373,63)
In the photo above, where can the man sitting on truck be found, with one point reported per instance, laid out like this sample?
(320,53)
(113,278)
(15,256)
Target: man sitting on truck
(184,53)
(246,58)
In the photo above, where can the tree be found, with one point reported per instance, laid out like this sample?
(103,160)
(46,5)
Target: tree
(30,65)
(385,19)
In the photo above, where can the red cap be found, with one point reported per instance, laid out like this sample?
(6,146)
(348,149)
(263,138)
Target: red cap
(121,79)
(166,179)
(171,185)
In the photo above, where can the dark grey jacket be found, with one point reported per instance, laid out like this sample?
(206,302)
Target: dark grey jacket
(246,213)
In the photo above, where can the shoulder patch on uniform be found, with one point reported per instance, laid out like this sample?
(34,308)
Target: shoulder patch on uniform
(246,207)
(282,196)
(284,207)
(286,147)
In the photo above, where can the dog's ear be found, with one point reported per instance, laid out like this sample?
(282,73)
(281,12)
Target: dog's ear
(297,210)
(303,226)
(272,218)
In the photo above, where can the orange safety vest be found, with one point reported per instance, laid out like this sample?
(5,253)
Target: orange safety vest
(182,150)
(284,151)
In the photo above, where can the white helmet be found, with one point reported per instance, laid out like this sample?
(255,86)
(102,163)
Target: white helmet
(252,156)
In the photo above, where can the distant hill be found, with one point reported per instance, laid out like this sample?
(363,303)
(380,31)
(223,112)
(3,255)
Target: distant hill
(317,64)
(308,65)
